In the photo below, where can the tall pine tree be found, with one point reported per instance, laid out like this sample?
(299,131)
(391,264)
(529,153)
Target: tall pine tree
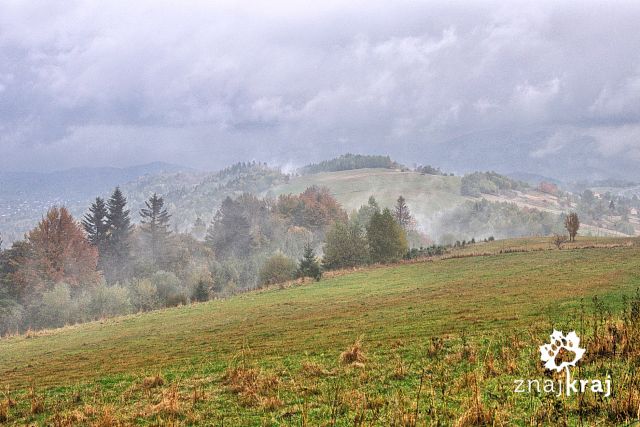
(96,227)
(402,214)
(155,226)
(230,231)
(120,229)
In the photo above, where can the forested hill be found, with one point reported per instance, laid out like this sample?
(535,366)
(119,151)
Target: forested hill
(351,162)
(194,197)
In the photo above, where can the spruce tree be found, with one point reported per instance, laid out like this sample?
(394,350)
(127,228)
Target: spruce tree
(230,232)
(120,229)
(96,226)
(402,214)
(155,226)
(309,266)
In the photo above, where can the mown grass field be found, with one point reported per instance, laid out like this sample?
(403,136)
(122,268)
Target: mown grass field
(437,339)
(426,194)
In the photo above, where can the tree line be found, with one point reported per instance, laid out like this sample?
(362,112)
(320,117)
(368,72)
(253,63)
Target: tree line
(67,271)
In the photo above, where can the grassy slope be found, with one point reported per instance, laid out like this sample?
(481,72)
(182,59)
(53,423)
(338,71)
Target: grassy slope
(425,194)
(280,329)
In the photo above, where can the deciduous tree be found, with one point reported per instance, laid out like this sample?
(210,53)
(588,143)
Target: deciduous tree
(345,246)
(572,224)
(59,252)
(387,240)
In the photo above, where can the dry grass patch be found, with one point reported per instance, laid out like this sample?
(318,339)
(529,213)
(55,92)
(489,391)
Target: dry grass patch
(354,355)
(37,402)
(153,382)
(253,387)
(169,404)
(314,369)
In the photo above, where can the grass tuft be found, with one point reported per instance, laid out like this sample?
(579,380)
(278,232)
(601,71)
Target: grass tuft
(354,355)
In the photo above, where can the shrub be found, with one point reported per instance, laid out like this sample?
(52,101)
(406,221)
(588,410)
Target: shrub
(109,301)
(200,292)
(277,269)
(56,307)
(422,252)
(559,240)
(11,316)
(170,292)
(144,295)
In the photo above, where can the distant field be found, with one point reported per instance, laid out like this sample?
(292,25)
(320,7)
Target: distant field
(426,195)
(272,357)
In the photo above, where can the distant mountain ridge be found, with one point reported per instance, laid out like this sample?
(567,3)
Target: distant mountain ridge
(26,196)
(76,183)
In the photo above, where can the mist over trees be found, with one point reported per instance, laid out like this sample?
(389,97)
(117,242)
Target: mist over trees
(111,262)
(478,183)
(402,214)
(155,228)
(482,219)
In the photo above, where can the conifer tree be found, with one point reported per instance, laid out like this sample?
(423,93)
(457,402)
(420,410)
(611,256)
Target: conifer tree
(309,266)
(402,214)
(155,226)
(230,231)
(96,227)
(120,229)
(365,212)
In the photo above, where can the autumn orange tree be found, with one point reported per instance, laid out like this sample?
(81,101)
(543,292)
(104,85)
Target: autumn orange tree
(58,251)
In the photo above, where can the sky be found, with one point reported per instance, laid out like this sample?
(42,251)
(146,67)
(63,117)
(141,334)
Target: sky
(543,87)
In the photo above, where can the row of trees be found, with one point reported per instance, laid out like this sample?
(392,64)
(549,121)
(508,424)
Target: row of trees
(68,271)
(102,256)
(369,235)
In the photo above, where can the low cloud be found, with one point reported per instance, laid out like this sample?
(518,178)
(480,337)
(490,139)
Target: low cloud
(203,84)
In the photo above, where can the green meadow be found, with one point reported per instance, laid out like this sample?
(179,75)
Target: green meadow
(435,342)
(352,189)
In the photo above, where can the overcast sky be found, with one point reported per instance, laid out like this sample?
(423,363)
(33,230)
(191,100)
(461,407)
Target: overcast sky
(552,88)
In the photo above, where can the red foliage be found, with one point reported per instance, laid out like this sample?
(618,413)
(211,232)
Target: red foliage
(314,208)
(59,252)
(548,187)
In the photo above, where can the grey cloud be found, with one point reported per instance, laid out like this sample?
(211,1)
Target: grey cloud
(509,86)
